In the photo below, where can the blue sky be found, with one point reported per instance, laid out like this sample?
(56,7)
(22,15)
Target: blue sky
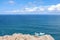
(29,6)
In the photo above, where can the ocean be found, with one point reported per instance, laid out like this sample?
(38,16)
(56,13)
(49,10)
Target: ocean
(29,24)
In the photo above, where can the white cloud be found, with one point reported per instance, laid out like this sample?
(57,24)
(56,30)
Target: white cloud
(34,9)
(51,8)
(11,2)
(58,7)
(54,8)
(31,9)
(40,9)
(13,11)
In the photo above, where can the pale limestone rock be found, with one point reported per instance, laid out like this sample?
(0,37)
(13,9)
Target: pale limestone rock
(1,38)
(26,37)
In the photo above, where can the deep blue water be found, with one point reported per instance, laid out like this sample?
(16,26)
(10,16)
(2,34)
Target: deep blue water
(29,24)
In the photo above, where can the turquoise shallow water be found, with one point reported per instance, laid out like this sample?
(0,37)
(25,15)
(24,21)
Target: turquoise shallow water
(29,24)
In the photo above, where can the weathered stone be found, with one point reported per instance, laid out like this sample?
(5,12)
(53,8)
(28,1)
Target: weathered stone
(26,37)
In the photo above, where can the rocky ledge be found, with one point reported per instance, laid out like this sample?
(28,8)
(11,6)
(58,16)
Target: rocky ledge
(26,37)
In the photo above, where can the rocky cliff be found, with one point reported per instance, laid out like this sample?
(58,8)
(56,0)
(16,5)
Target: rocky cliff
(26,37)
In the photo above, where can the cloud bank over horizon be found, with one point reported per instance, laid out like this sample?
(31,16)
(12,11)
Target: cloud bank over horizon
(12,7)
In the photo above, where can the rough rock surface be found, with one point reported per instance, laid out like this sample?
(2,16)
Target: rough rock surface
(26,37)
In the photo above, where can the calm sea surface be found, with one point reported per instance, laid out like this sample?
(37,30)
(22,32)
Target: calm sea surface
(29,24)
